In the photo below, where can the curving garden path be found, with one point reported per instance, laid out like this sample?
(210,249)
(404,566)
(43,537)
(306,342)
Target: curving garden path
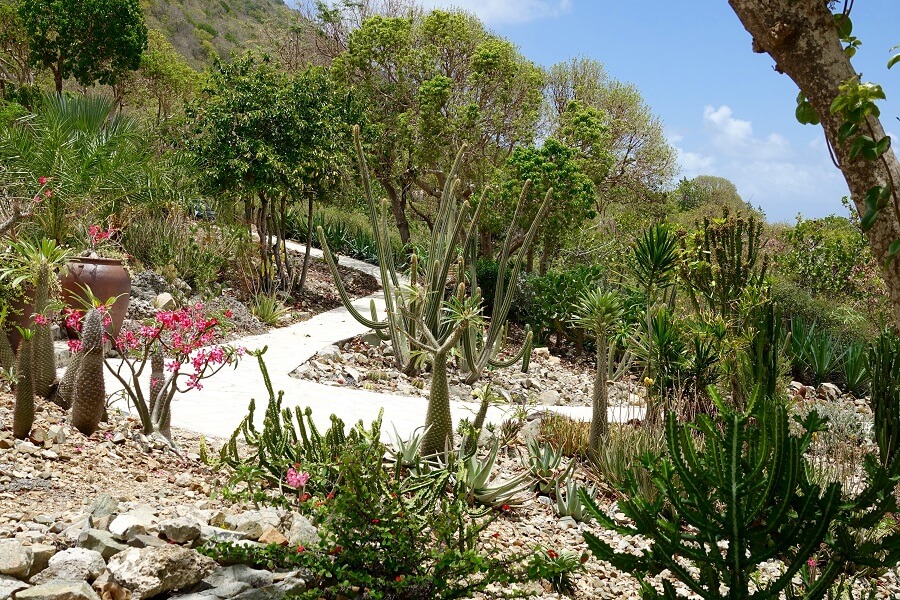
(219,407)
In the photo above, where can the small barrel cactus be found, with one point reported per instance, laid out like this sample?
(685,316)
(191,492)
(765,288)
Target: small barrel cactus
(23,416)
(89,392)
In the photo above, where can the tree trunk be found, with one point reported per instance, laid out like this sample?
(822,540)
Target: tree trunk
(802,38)
(600,404)
(309,237)
(57,79)
(398,208)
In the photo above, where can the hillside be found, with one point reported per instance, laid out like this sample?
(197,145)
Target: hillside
(203,29)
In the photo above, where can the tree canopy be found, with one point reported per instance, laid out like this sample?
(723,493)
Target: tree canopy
(94,41)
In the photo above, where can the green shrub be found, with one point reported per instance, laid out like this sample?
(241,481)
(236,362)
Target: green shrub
(619,460)
(546,302)
(196,251)
(346,232)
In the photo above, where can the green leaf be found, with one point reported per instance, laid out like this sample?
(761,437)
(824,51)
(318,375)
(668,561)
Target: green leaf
(846,130)
(860,145)
(850,51)
(882,146)
(894,60)
(893,249)
(868,219)
(844,25)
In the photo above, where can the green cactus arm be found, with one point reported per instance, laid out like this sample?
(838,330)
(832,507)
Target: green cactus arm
(523,355)
(342,291)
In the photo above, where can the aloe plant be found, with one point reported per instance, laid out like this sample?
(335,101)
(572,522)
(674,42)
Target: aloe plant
(430,317)
(544,464)
(569,502)
(485,488)
(856,370)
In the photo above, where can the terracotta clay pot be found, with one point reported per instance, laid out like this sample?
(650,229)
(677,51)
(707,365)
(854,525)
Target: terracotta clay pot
(105,277)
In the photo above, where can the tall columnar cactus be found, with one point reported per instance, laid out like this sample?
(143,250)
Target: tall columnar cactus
(726,259)
(43,356)
(23,417)
(433,315)
(89,393)
(7,356)
(157,384)
(63,397)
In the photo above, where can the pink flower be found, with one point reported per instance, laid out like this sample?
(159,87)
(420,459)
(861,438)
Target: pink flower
(40,319)
(42,180)
(48,193)
(296,479)
(74,345)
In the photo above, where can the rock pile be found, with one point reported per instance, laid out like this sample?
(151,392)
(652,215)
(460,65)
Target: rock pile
(365,362)
(129,550)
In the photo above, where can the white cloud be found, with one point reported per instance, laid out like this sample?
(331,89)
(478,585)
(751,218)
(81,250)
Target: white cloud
(497,12)
(768,170)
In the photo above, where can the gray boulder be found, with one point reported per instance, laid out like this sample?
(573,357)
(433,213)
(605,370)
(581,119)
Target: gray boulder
(15,559)
(180,530)
(100,541)
(303,532)
(9,585)
(148,572)
(59,590)
(74,564)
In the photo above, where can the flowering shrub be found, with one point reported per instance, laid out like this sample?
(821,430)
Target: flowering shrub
(182,343)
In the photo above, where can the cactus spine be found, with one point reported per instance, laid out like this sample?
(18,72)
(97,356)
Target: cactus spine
(416,318)
(43,358)
(89,393)
(7,356)
(23,417)
(66,387)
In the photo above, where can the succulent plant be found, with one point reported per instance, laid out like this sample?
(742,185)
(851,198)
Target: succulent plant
(407,453)
(43,358)
(426,317)
(89,392)
(569,503)
(488,491)
(7,356)
(63,397)
(544,463)
(23,417)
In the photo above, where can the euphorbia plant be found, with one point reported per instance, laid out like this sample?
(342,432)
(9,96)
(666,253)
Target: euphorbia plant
(179,347)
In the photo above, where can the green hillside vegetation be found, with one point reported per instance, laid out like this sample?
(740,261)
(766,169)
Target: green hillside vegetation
(202,30)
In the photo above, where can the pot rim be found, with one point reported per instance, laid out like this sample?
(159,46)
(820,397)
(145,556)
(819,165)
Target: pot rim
(97,260)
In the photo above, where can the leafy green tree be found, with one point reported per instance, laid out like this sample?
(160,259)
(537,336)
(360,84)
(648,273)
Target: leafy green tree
(164,76)
(432,82)
(15,60)
(270,140)
(642,160)
(95,41)
(553,165)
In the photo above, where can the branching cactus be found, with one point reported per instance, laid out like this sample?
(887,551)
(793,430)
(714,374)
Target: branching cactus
(432,316)
(89,391)
(726,259)
(23,417)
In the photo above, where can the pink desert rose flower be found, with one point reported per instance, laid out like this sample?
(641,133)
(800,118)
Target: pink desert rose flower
(40,319)
(296,479)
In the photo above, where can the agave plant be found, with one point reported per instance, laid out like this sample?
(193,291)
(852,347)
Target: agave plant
(544,464)
(856,370)
(569,503)
(487,490)
(823,357)
(407,453)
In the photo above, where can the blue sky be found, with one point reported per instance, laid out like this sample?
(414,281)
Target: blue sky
(724,108)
